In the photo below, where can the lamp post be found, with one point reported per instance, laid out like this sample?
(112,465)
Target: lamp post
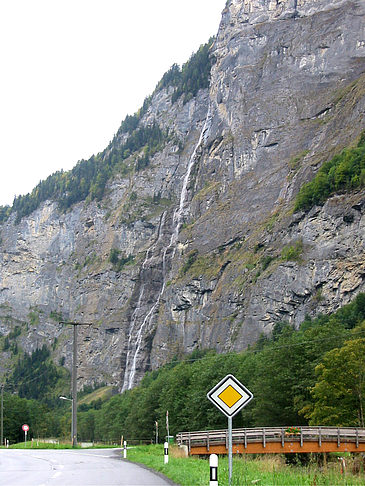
(72,417)
(74,378)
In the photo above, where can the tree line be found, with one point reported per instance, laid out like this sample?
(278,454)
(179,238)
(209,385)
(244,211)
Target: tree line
(192,76)
(88,179)
(314,375)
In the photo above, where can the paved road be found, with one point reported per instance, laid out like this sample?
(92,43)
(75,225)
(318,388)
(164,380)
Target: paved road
(102,467)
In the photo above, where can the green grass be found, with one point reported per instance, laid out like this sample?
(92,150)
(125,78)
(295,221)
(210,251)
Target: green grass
(263,471)
(40,445)
(62,445)
(103,393)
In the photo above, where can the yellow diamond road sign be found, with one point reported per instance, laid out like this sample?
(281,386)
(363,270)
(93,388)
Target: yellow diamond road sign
(230,396)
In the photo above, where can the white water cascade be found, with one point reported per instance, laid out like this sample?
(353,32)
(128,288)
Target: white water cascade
(134,347)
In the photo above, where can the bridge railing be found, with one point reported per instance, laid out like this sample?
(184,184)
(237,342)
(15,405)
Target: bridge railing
(272,434)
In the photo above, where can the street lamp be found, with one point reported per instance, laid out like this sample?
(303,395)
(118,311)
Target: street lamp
(72,420)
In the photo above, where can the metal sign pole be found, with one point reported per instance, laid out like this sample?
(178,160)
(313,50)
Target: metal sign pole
(230,463)
(167,426)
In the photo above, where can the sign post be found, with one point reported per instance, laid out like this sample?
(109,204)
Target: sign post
(230,396)
(25,428)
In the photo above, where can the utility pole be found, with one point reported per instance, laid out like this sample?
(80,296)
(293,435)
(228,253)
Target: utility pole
(74,379)
(2,416)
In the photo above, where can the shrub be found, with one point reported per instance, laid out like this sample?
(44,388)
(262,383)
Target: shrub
(292,252)
(118,261)
(192,256)
(345,172)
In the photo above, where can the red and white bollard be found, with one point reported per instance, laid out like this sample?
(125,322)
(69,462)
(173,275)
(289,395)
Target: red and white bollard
(213,463)
(166,453)
(125,450)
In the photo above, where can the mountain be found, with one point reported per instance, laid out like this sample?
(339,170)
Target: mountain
(186,232)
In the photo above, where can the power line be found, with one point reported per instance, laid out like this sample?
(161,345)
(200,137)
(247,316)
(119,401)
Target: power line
(25,381)
(269,346)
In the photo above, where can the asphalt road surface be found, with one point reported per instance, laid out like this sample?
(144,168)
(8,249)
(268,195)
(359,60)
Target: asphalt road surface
(101,467)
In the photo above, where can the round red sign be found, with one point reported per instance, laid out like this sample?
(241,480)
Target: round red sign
(25,427)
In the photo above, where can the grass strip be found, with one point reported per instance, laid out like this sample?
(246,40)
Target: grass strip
(263,470)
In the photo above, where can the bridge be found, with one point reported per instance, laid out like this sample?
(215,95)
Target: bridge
(275,440)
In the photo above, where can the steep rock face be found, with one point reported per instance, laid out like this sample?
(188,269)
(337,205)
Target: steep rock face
(55,266)
(207,221)
(286,94)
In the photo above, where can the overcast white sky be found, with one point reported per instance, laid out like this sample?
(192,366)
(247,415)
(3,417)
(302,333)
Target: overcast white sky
(71,70)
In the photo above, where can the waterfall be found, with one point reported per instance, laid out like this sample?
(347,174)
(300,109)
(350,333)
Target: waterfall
(179,213)
(134,347)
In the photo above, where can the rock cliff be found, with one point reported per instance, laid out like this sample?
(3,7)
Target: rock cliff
(214,254)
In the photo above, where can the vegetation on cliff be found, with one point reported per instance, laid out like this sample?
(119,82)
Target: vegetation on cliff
(37,377)
(119,260)
(344,172)
(193,76)
(87,180)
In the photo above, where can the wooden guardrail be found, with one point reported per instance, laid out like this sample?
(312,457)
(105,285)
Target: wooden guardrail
(275,440)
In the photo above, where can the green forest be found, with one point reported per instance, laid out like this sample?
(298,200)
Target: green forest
(88,179)
(314,375)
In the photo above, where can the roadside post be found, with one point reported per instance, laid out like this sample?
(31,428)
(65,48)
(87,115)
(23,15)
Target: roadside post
(25,428)
(166,453)
(213,463)
(2,416)
(230,396)
(125,450)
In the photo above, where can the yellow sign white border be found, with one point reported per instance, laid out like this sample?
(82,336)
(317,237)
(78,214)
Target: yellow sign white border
(229,380)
